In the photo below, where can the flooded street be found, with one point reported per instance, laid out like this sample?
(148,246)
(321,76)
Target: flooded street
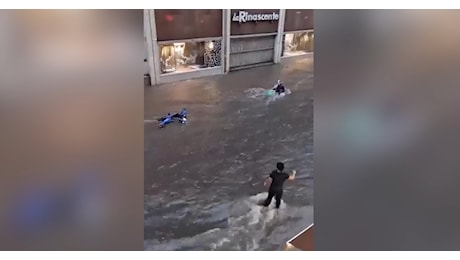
(203,180)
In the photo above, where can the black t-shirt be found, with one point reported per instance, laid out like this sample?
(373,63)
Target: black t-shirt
(278,179)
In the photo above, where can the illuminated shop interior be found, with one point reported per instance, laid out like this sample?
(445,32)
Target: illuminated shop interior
(189,56)
(297,43)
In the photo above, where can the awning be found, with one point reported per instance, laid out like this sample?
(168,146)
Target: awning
(302,241)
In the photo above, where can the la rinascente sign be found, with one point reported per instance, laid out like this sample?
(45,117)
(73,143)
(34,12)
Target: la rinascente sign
(243,17)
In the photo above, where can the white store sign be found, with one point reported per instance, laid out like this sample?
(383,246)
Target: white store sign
(243,17)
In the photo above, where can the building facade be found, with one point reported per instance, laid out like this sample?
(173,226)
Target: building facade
(184,44)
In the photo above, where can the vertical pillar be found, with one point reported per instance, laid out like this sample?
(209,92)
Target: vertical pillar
(154,54)
(279,36)
(148,37)
(226,38)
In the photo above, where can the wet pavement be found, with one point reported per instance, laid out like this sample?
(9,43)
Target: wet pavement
(203,180)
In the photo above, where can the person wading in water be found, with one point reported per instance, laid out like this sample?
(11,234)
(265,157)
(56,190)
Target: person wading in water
(277,178)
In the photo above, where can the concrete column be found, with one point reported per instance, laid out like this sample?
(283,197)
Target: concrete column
(226,38)
(154,54)
(279,36)
(148,36)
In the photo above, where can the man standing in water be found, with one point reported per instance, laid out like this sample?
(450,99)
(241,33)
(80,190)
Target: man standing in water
(277,178)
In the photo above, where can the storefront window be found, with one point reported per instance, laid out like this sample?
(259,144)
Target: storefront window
(297,43)
(189,56)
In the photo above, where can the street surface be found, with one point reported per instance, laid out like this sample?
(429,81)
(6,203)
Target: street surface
(203,180)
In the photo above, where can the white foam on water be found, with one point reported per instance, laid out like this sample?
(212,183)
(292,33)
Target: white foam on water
(260,94)
(248,227)
(256,93)
(178,244)
(219,243)
(149,121)
(276,97)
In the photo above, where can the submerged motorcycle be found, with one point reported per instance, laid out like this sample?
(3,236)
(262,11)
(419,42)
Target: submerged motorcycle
(278,90)
(180,117)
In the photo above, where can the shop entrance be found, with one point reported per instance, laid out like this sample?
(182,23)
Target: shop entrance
(297,43)
(251,51)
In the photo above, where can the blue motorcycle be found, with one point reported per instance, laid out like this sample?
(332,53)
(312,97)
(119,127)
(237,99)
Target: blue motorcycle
(181,117)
